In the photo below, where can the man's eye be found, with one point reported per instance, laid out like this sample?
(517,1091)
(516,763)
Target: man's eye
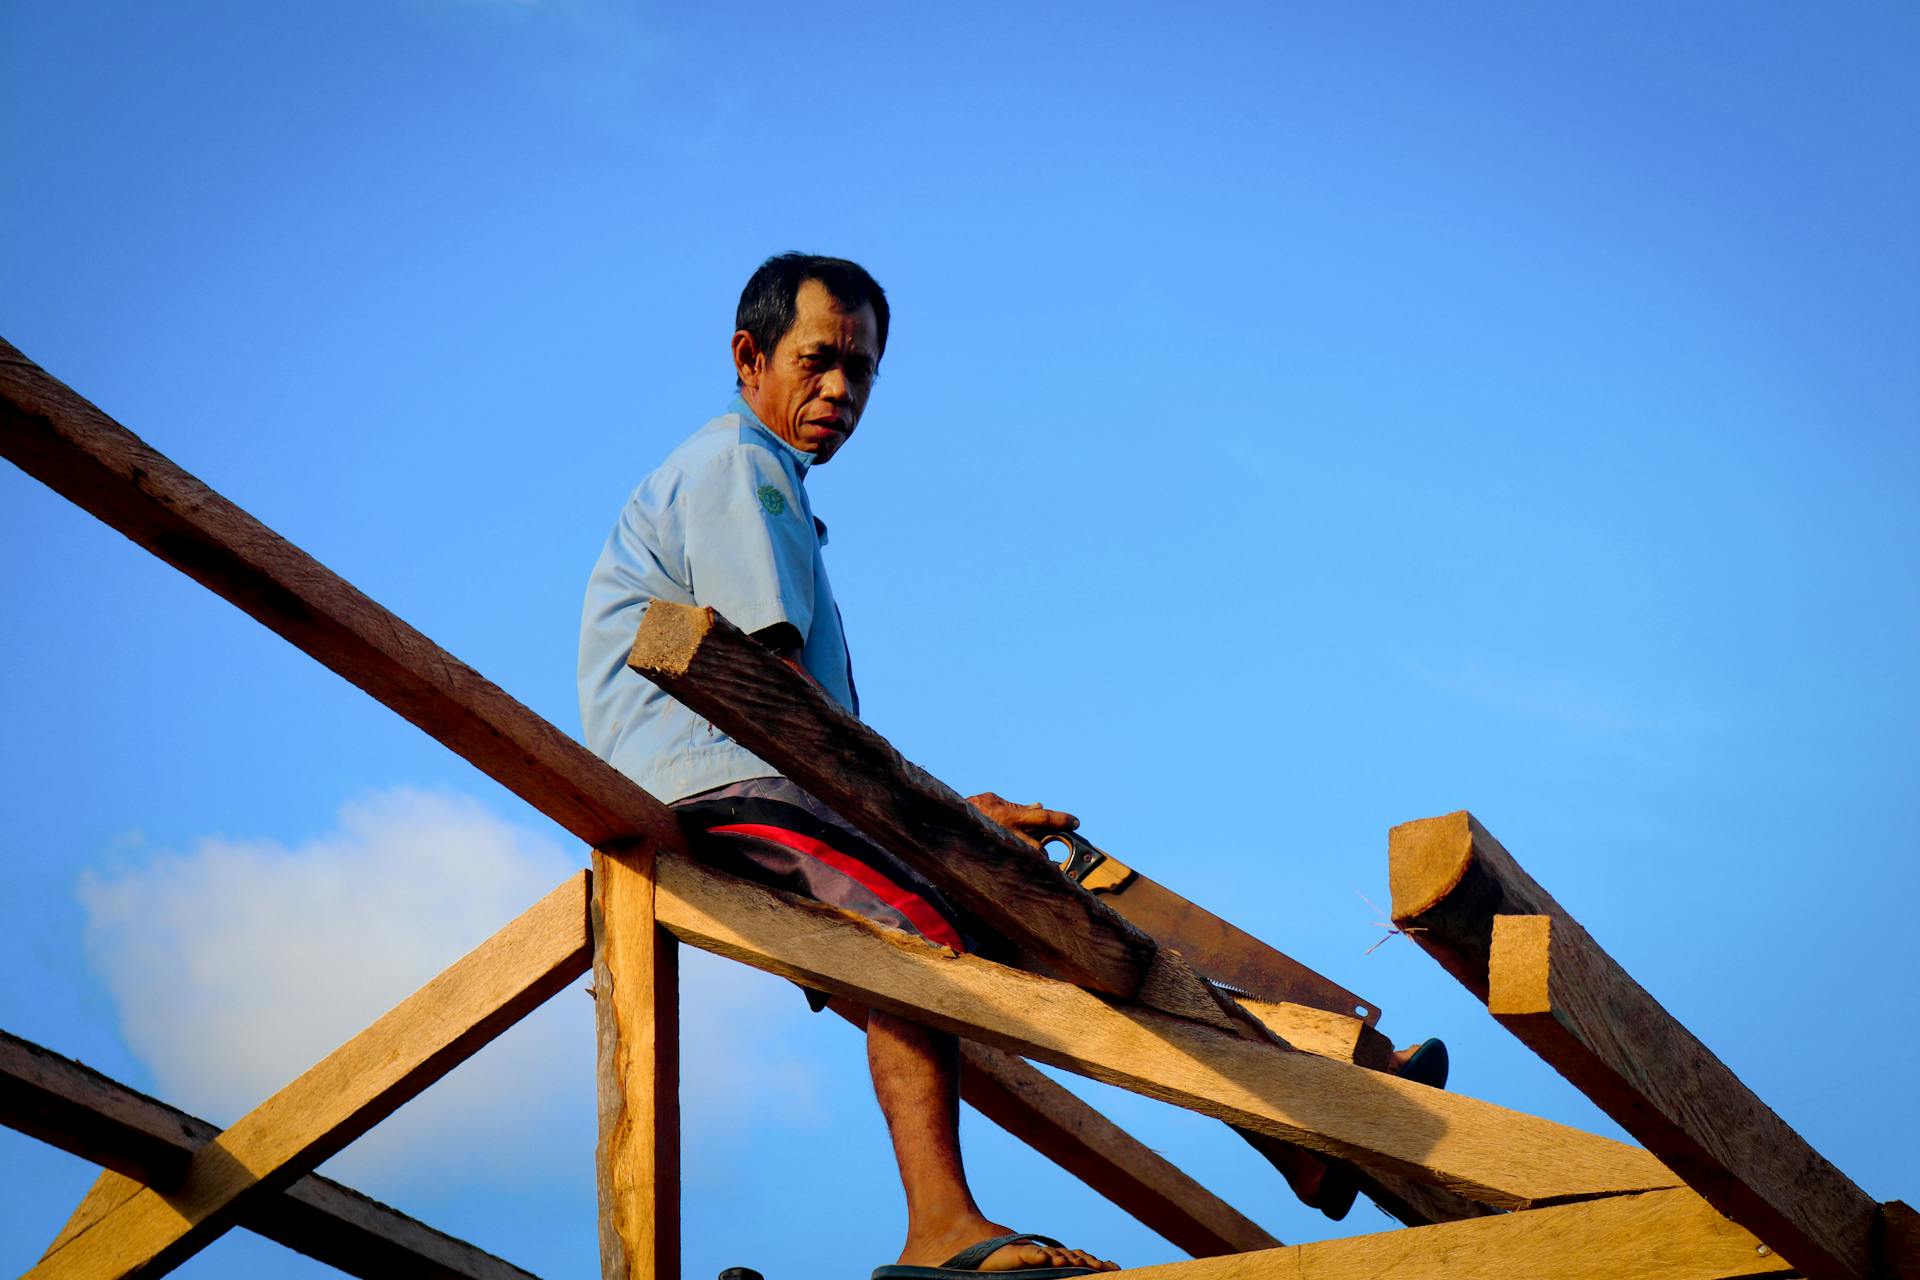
(813,361)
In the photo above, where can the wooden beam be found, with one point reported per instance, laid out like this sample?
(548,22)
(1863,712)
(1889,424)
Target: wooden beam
(1066,1130)
(1899,1241)
(56,436)
(345,1094)
(636,988)
(1659,1235)
(1568,1001)
(1468,902)
(141,1140)
(762,703)
(1500,1157)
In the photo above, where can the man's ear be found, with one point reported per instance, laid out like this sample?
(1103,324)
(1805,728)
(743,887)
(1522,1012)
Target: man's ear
(747,359)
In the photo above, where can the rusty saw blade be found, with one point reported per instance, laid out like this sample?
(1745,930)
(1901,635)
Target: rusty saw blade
(1230,958)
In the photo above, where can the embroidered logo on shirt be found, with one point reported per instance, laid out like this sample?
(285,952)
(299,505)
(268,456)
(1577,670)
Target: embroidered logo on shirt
(773,500)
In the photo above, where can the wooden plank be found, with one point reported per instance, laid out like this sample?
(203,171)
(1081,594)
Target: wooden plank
(1457,890)
(1659,1235)
(1568,1001)
(1066,1130)
(1331,1035)
(341,1097)
(1499,1157)
(636,987)
(56,436)
(762,703)
(141,1141)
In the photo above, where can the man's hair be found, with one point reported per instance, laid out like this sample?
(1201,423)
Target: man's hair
(767,303)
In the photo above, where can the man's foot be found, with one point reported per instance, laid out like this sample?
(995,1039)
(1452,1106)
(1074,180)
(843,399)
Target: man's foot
(934,1251)
(1423,1063)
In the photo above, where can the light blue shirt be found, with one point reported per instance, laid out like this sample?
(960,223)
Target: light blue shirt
(724,522)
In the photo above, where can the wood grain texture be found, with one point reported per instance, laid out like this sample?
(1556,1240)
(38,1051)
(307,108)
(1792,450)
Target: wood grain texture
(1659,1235)
(142,1140)
(1066,1130)
(341,1097)
(636,986)
(1004,882)
(1498,1157)
(1331,1035)
(1455,888)
(56,436)
(1568,1001)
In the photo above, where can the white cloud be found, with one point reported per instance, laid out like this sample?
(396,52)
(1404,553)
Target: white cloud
(236,965)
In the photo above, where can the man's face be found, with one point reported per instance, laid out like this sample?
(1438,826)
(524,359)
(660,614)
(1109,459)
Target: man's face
(811,389)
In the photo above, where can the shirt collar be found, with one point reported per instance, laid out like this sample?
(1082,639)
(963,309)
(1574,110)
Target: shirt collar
(800,456)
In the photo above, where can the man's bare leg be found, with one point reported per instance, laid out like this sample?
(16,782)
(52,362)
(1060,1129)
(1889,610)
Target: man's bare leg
(916,1077)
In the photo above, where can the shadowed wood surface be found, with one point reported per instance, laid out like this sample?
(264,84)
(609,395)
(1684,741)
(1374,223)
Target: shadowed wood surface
(756,699)
(1066,1130)
(636,990)
(53,434)
(345,1094)
(140,1140)
(1659,1235)
(1499,1157)
(1456,889)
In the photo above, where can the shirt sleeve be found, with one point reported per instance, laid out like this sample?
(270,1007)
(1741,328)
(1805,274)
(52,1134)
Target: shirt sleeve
(749,541)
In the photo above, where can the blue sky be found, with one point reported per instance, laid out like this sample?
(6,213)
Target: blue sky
(1299,419)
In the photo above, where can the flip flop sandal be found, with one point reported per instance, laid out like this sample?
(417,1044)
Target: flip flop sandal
(965,1265)
(1428,1065)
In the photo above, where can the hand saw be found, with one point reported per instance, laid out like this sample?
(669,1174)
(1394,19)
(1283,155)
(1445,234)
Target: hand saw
(1232,959)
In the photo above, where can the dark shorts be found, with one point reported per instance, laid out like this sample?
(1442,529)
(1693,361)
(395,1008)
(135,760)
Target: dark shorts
(771,832)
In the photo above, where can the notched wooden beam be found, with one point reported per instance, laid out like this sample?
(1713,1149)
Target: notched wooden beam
(1468,903)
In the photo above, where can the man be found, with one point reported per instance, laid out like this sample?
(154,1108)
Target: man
(726,522)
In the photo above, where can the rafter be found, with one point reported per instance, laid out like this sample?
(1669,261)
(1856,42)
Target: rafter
(1466,900)
(345,1094)
(141,1140)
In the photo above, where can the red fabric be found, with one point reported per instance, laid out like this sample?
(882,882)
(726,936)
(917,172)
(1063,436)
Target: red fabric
(905,901)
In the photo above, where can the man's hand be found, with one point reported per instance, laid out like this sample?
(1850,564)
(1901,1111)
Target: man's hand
(1025,820)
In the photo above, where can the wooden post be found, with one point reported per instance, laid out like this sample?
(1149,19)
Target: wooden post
(636,997)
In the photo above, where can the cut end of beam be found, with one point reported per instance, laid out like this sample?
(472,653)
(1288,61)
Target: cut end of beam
(1427,860)
(669,636)
(1517,974)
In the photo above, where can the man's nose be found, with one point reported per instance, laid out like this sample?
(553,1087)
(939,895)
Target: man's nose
(833,386)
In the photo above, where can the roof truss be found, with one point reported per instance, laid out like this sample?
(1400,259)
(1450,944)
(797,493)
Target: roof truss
(1087,991)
